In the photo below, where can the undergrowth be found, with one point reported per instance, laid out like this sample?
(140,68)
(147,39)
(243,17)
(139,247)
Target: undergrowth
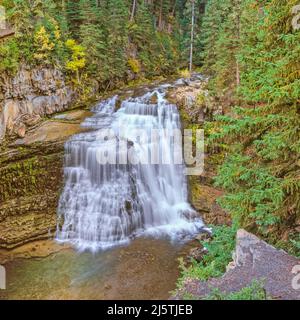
(219,254)
(255,291)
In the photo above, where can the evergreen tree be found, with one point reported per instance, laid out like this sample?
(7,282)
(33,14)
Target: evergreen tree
(93,31)
(261,173)
(118,35)
(117,39)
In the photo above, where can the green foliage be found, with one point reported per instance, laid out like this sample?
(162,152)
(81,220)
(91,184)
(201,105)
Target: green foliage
(255,291)
(252,54)
(39,36)
(134,65)
(113,40)
(43,45)
(220,39)
(77,61)
(254,194)
(92,32)
(185,9)
(185,73)
(219,254)
(9,56)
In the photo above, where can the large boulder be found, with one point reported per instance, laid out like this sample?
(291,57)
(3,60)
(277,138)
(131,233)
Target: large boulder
(253,259)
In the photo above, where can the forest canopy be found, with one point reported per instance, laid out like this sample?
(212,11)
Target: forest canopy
(111,40)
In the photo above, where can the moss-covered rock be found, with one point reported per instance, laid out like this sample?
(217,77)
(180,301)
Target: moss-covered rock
(31,178)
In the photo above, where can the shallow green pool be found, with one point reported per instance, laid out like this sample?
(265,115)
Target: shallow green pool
(145,269)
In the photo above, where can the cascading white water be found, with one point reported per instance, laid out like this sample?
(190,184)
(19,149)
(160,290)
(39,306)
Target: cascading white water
(105,204)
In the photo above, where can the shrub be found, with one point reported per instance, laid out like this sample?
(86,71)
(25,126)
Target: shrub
(219,254)
(134,65)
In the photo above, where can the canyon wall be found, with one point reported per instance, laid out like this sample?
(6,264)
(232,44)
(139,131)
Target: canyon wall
(30,95)
(31,153)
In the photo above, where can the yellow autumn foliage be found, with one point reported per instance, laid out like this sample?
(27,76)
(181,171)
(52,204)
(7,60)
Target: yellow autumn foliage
(185,73)
(77,60)
(134,64)
(43,44)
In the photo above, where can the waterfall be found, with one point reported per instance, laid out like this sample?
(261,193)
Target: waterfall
(105,204)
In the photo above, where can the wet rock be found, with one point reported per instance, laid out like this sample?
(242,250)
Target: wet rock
(118,104)
(190,214)
(130,144)
(154,99)
(204,236)
(128,206)
(197,253)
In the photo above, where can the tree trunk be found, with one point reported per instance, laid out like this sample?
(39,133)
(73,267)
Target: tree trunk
(237,73)
(160,21)
(133,10)
(192,37)
(238,41)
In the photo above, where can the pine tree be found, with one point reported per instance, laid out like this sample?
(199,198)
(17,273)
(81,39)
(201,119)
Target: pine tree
(117,38)
(93,36)
(261,173)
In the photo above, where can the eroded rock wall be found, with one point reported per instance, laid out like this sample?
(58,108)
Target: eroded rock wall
(31,179)
(30,172)
(30,95)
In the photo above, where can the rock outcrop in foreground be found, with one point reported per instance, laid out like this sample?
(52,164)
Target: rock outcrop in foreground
(253,259)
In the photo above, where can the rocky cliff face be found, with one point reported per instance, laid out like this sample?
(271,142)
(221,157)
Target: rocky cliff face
(31,177)
(31,168)
(29,96)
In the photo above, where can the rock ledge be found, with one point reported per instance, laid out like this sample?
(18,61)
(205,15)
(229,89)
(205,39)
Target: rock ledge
(253,259)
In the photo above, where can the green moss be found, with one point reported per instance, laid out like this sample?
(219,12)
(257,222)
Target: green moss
(186,120)
(201,99)
(23,177)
